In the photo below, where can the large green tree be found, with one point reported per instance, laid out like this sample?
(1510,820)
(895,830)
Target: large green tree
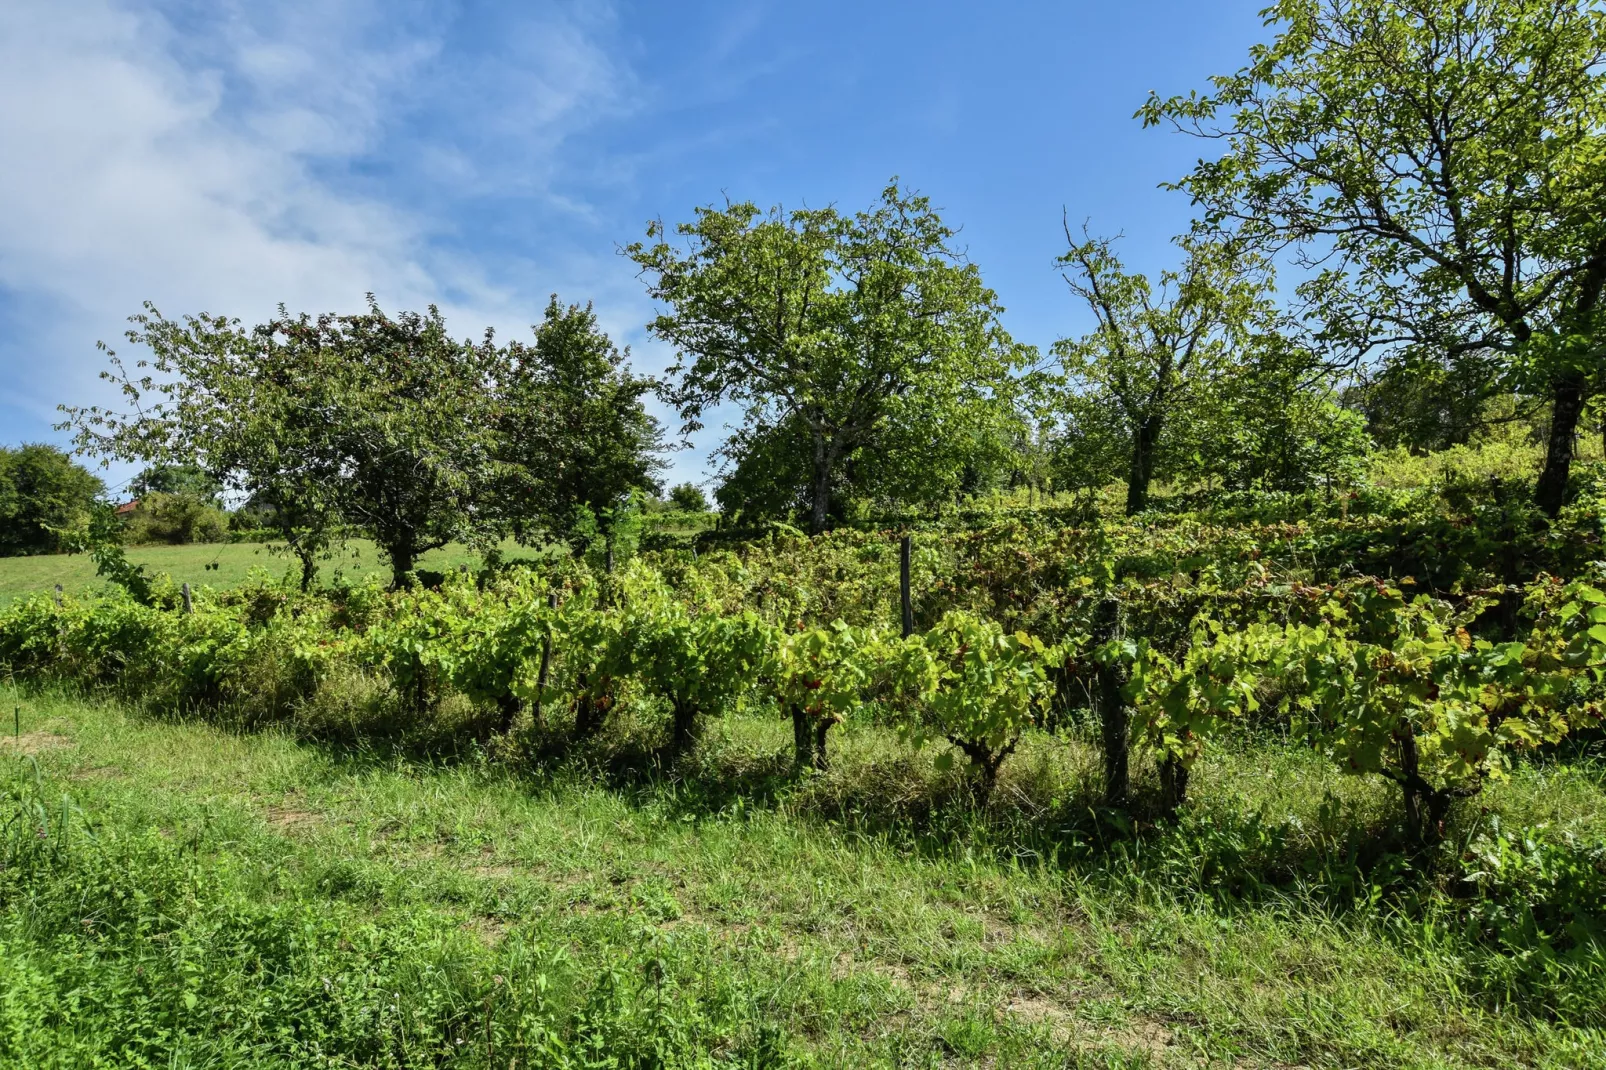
(1155,346)
(42,492)
(378,424)
(574,429)
(1272,420)
(827,329)
(410,418)
(183,480)
(926,451)
(1432,405)
(1439,167)
(246,407)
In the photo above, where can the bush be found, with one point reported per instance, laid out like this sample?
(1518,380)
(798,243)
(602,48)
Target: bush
(1539,916)
(176,519)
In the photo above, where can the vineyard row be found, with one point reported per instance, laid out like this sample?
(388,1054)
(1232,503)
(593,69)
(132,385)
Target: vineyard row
(1383,682)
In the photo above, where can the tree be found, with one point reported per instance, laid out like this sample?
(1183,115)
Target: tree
(411,424)
(1439,167)
(830,327)
(689,498)
(1434,404)
(924,452)
(1155,348)
(1089,445)
(247,408)
(42,492)
(366,422)
(183,480)
(1272,420)
(574,429)
(177,519)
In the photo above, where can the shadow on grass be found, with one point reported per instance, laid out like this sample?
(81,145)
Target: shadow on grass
(1330,858)
(895,796)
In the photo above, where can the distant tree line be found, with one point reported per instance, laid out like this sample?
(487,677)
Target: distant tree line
(389,428)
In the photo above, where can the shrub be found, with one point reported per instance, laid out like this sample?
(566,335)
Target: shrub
(176,519)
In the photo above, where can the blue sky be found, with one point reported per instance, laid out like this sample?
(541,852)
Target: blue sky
(224,157)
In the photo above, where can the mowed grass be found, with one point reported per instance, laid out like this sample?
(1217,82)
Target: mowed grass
(24,576)
(207,898)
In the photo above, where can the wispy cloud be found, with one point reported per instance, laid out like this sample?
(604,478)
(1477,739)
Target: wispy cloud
(228,157)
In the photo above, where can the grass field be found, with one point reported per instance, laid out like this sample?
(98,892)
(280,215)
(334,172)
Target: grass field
(22,576)
(183,896)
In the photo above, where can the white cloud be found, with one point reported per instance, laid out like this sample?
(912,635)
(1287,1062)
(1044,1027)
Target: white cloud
(205,165)
(229,156)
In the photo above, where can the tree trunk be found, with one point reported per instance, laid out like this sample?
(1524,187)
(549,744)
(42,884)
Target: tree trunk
(403,558)
(309,570)
(822,485)
(821,763)
(508,707)
(1410,779)
(985,761)
(545,670)
(589,711)
(586,721)
(1173,784)
(1566,405)
(1114,722)
(802,740)
(683,730)
(1426,808)
(808,740)
(1141,473)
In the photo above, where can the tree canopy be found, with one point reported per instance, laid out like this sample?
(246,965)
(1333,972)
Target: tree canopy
(366,422)
(688,497)
(184,480)
(1157,346)
(829,330)
(42,492)
(1438,168)
(574,429)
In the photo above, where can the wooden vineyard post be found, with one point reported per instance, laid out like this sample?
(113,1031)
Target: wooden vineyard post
(189,605)
(546,660)
(1113,721)
(904,551)
(61,627)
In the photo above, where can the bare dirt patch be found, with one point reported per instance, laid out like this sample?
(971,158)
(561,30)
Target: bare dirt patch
(1035,1010)
(488,931)
(286,819)
(99,772)
(1142,1035)
(34,742)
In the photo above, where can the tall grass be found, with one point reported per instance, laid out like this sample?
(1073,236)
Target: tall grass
(176,894)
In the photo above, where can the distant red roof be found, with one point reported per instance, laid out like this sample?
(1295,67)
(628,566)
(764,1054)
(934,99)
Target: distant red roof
(127,507)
